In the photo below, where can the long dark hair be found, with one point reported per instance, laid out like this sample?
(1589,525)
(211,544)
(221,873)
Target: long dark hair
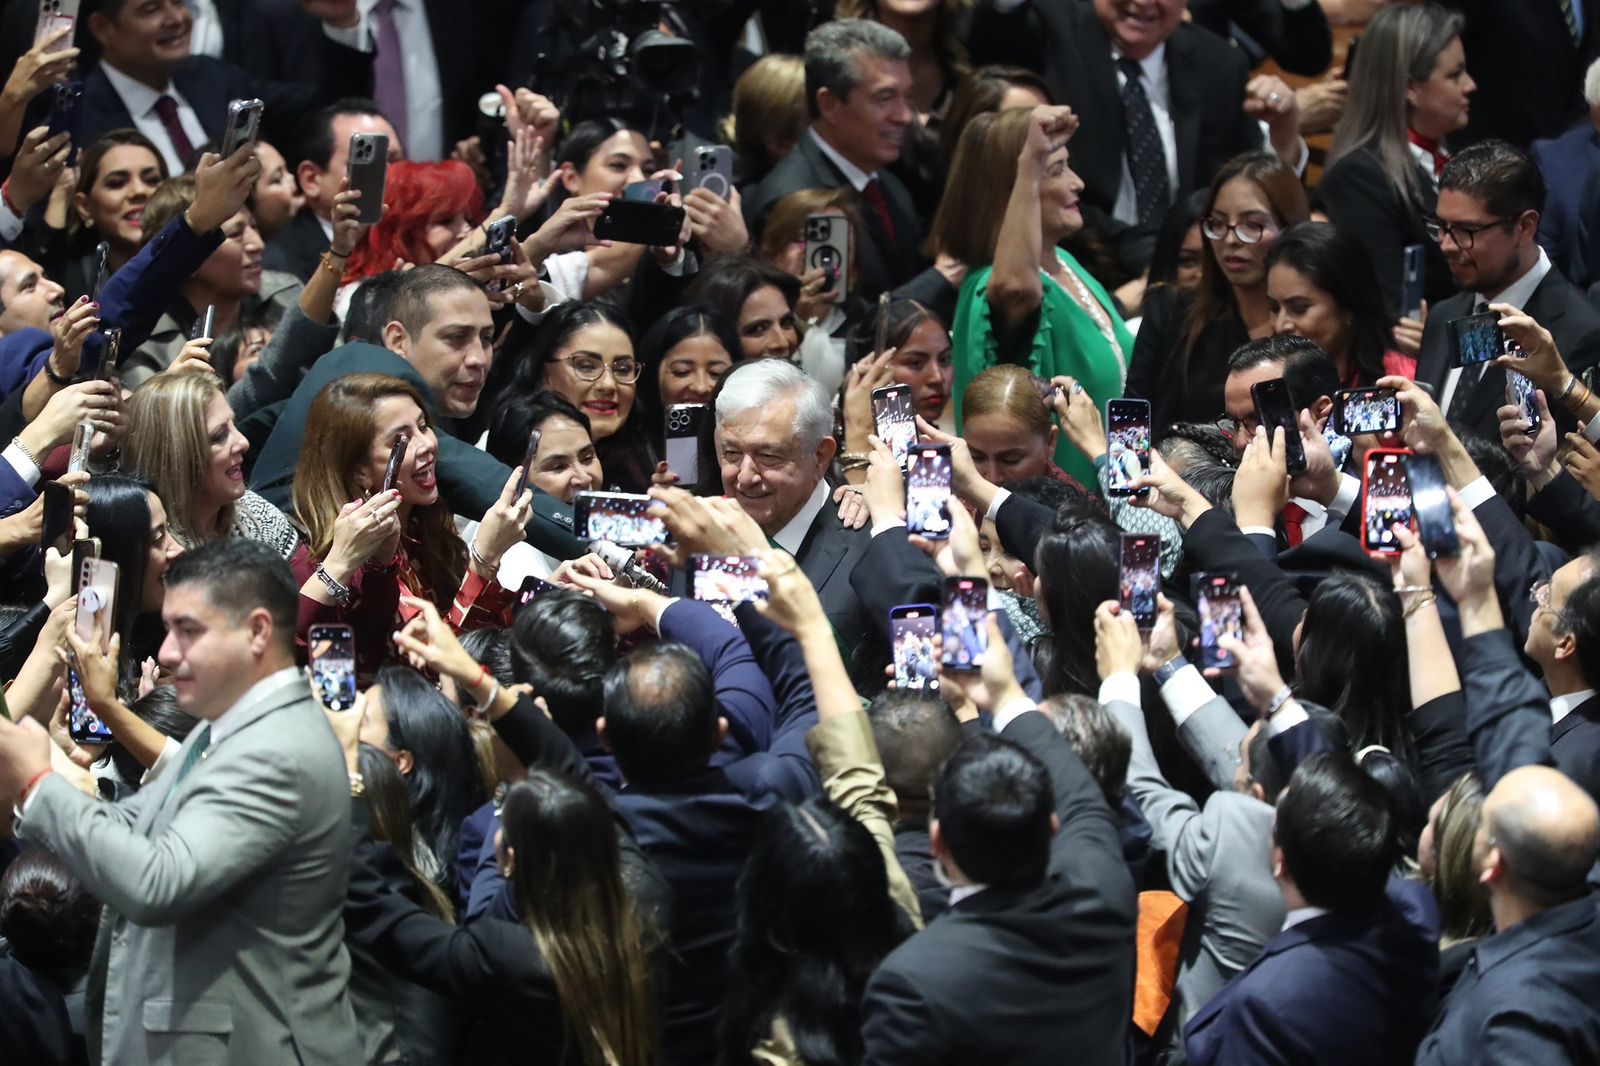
(670,330)
(566,871)
(1350,646)
(1335,262)
(814,922)
(445,783)
(390,807)
(520,415)
(1184,213)
(1077,565)
(119,515)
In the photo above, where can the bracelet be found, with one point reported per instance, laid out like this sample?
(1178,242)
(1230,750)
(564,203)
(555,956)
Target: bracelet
(386,568)
(342,595)
(327,264)
(31,785)
(1285,694)
(483,564)
(1402,589)
(1572,383)
(1167,670)
(358,785)
(1422,601)
(50,373)
(848,463)
(16,442)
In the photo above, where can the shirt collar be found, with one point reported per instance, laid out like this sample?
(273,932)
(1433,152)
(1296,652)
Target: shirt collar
(1153,65)
(230,719)
(137,97)
(791,536)
(857,177)
(1561,706)
(1302,914)
(1519,292)
(961,892)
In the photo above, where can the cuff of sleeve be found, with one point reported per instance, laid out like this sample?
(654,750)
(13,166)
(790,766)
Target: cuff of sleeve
(169,751)
(1002,495)
(1185,693)
(659,618)
(1265,530)
(893,523)
(18,460)
(676,267)
(1012,711)
(10,223)
(1123,686)
(1345,498)
(1289,715)
(552,297)
(1478,491)
(354,37)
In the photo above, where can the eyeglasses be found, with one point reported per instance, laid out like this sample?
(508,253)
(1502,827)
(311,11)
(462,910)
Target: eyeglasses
(1462,234)
(1539,594)
(1216,229)
(590,367)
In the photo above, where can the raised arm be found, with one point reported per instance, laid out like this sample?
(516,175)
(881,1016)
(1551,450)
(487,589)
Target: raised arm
(1015,286)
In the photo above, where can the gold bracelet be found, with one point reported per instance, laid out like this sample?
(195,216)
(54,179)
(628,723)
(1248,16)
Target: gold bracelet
(327,263)
(1422,601)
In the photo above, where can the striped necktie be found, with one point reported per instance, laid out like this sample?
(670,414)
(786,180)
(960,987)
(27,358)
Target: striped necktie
(1570,17)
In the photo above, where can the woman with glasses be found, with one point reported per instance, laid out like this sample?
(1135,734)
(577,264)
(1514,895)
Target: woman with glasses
(583,352)
(1025,300)
(1180,362)
(1408,93)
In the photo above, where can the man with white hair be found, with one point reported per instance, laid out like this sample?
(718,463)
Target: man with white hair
(1570,164)
(774,443)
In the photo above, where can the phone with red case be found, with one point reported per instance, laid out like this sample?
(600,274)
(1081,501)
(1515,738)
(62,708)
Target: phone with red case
(1385,500)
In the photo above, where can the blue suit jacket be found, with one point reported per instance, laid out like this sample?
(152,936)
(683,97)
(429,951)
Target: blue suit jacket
(1570,164)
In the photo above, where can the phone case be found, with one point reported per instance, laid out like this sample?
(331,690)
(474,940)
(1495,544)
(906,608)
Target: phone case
(368,172)
(97,600)
(1376,539)
(244,125)
(1274,409)
(55,15)
(684,423)
(713,169)
(631,222)
(1412,275)
(66,110)
(397,455)
(828,249)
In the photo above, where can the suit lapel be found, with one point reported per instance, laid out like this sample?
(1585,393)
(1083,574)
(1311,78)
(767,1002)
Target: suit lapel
(823,548)
(1588,710)
(1183,95)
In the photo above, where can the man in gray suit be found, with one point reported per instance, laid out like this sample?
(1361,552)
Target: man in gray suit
(224,880)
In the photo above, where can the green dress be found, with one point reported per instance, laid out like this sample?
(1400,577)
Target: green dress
(1067,341)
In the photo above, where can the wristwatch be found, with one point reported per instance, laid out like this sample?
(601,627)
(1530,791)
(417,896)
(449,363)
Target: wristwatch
(1168,669)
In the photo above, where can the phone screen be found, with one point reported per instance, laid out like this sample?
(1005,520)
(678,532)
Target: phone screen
(397,455)
(57,526)
(1128,444)
(1412,275)
(1140,575)
(928,492)
(528,459)
(911,631)
(645,192)
(684,424)
(333,666)
(1385,503)
(83,725)
(1436,524)
(97,600)
(1221,615)
(624,520)
(1369,410)
(896,420)
(533,587)
(964,622)
(1274,409)
(728,578)
(1520,391)
(1477,338)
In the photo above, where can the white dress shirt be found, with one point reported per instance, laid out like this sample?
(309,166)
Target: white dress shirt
(1153,76)
(857,177)
(791,536)
(424,115)
(140,100)
(1302,914)
(1561,706)
(205,38)
(1517,294)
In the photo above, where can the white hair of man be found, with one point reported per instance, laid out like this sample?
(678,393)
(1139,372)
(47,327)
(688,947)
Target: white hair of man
(761,382)
(1591,84)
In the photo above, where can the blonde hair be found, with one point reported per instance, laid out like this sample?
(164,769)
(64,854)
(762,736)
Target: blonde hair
(172,198)
(769,100)
(167,446)
(1007,390)
(982,173)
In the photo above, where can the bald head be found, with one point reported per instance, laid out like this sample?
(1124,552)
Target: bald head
(1546,831)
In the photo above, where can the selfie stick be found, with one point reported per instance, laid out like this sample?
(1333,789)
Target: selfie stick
(621,561)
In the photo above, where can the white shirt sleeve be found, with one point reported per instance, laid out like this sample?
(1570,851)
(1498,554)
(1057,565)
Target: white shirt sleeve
(1123,686)
(552,297)
(1002,495)
(169,752)
(1185,693)
(1345,498)
(10,223)
(357,37)
(18,460)
(1478,491)
(1012,711)
(1268,530)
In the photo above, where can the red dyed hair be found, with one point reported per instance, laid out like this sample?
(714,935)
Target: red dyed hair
(416,194)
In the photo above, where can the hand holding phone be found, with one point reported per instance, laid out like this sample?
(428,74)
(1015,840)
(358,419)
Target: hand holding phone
(1275,410)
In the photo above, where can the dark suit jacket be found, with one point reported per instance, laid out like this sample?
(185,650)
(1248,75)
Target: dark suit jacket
(1338,988)
(1566,507)
(1365,203)
(1571,319)
(1066,44)
(1575,745)
(298,247)
(1570,164)
(470,480)
(1299,41)
(1529,71)
(34,1024)
(884,264)
(1527,995)
(1016,976)
(1181,391)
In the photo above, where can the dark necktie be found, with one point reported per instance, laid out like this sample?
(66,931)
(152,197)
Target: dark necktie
(389,67)
(167,112)
(1467,382)
(1570,17)
(879,203)
(1147,159)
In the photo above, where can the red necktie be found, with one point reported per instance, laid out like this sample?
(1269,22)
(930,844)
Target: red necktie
(880,206)
(1294,518)
(1431,146)
(167,112)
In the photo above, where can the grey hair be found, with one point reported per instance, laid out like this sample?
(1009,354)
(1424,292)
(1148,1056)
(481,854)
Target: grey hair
(1591,84)
(1402,44)
(833,48)
(764,381)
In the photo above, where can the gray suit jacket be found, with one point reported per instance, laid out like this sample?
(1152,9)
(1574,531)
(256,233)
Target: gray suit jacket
(1218,856)
(222,939)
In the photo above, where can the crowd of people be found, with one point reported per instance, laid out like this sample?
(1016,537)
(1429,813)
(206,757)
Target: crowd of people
(635,534)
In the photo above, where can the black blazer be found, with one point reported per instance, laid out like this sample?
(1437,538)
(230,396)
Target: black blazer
(1529,71)
(1066,44)
(1571,319)
(1157,372)
(298,247)
(1575,745)
(1566,507)
(1009,977)
(1365,203)
(1299,41)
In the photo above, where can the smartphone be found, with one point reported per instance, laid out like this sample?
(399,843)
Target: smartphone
(66,114)
(619,517)
(244,125)
(57,532)
(204,327)
(1275,409)
(631,222)
(533,587)
(645,192)
(82,437)
(97,600)
(964,622)
(911,630)
(1436,523)
(83,725)
(685,422)
(1139,571)
(499,234)
(928,491)
(1366,410)
(333,666)
(1128,440)
(828,250)
(528,459)
(102,268)
(1520,391)
(87,548)
(895,418)
(1412,275)
(397,455)
(1221,615)
(1477,339)
(56,15)
(713,169)
(1350,57)
(727,578)
(1385,500)
(368,173)
(880,326)
(110,352)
